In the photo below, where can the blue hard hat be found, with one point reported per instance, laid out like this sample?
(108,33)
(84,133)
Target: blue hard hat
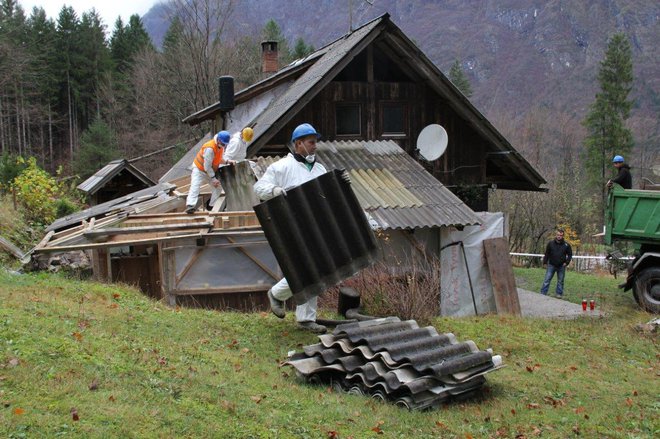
(618,159)
(304,130)
(223,137)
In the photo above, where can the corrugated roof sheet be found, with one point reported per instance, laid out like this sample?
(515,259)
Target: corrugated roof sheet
(388,359)
(125,203)
(103,175)
(318,233)
(395,189)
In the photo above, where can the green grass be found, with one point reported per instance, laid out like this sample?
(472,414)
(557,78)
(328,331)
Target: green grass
(160,372)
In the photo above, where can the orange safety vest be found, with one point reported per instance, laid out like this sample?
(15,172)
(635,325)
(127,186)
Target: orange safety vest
(217,155)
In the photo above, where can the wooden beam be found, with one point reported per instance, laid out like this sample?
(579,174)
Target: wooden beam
(11,248)
(64,248)
(143,229)
(501,276)
(222,290)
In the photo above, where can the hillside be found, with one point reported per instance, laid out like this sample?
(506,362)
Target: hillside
(83,359)
(519,54)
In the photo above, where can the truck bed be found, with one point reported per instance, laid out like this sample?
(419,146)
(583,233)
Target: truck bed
(633,215)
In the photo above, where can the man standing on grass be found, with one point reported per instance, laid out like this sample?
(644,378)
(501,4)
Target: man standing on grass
(558,255)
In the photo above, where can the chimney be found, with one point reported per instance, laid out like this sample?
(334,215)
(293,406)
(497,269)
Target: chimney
(268,57)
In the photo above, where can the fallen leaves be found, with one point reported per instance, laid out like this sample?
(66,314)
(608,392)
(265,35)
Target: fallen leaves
(531,369)
(77,335)
(257,399)
(18,411)
(13,362)
(94,385)
(554,402)
(629,402)
(74,414)
(533,406)
(376,429)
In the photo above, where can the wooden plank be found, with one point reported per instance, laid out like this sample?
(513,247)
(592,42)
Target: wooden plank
(45,240)
(222,290)
(146,241)
(11,248)
(142,229)
(168,275)
(501,276)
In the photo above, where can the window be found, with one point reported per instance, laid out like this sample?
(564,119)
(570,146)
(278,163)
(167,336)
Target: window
(394,118)
(347,117)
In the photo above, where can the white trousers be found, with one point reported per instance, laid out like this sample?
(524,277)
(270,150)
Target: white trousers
(197,179)
(305,312)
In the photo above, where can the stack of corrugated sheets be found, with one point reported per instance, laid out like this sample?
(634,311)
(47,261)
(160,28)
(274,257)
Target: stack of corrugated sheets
(397,361)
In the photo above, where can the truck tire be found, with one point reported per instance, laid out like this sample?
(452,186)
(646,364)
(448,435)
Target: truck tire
(647,289)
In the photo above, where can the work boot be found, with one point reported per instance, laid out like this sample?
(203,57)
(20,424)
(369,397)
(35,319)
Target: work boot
(190,209)
(312,327)
(276,306)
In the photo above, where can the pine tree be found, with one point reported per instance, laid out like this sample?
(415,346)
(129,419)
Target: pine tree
(608,135)
(273,32)
(98,146)
(302,49)
(458,78)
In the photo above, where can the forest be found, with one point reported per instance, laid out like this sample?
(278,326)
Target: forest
(75,94)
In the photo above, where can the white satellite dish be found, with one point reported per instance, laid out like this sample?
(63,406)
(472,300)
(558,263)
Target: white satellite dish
(432,142)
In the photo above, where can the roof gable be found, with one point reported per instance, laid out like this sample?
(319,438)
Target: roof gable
(108,172)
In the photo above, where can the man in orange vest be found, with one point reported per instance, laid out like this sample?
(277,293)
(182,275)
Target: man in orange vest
(205,165)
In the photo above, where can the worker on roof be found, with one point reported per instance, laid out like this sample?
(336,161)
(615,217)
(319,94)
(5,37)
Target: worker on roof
(623,177)
(237,147)
(205,165)
(293,170)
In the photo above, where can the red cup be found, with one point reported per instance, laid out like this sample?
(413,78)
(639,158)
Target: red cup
(592,304)
(584,304)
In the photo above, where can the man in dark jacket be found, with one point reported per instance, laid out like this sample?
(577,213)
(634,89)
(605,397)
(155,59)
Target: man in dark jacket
(623,178)
(558,255)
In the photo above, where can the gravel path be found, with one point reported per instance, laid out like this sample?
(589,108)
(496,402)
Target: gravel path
(537,305)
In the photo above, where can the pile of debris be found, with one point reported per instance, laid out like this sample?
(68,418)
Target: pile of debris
(394,360)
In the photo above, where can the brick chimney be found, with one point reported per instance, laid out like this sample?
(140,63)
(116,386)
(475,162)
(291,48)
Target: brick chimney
(268,57)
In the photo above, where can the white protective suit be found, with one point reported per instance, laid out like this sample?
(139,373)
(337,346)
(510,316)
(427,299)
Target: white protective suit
(198,178)
(237,148)
(288,173)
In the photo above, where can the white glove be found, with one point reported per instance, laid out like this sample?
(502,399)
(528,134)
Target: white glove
(278,191)
(346,176)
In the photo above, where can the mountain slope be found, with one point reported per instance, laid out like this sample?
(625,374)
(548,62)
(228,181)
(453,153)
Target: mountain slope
(518,54)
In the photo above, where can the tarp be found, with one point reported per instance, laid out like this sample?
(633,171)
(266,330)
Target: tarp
(455,295)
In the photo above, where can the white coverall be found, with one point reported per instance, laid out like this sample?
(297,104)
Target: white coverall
(198,178)
(237,148)
(288,173)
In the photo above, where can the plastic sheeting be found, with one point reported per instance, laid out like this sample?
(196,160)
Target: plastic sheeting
(455,296)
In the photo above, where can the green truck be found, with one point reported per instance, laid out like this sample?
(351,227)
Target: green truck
(634,215)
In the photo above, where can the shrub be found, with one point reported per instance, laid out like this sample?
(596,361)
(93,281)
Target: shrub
(39,194)
(64,207)
(411,293)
